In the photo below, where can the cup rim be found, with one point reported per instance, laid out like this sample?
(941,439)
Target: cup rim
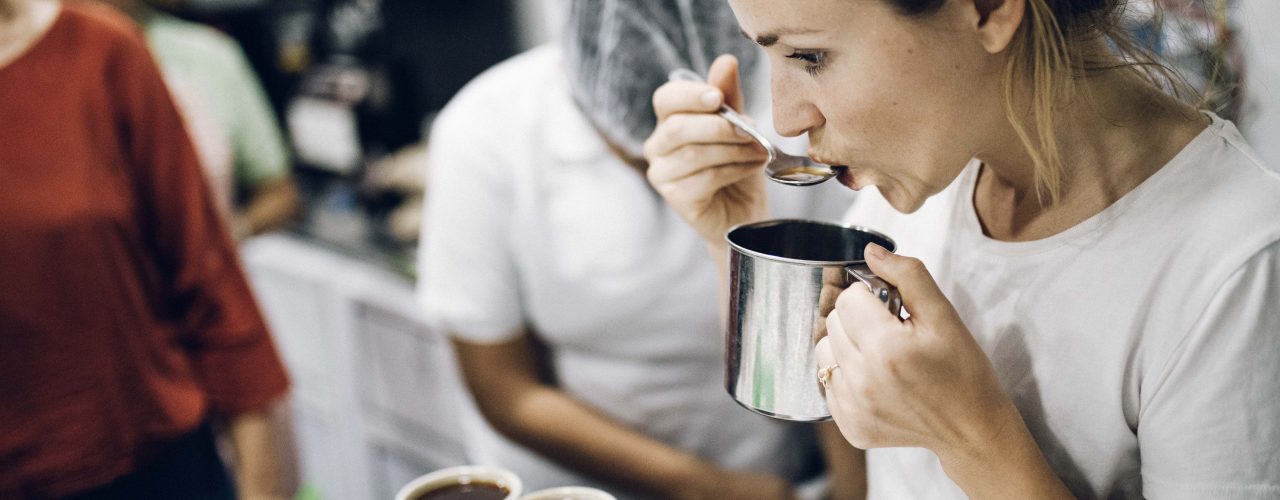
(568,490)
(751,225)
(503,476)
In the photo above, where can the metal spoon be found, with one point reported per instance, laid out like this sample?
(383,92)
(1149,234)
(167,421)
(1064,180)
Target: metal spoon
(782,167)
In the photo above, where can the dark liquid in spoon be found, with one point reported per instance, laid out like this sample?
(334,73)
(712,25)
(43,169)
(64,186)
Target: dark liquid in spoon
(803,174)
(466,491)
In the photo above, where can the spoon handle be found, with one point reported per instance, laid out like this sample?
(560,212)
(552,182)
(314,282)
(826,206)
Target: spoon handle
(688,75)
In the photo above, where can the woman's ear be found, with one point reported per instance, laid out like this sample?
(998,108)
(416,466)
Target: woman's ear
(996,21)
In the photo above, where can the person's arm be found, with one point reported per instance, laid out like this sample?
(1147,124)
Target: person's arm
(506,383)
(206,292)
(846,465)
(1208,414)
(272,205)
(263,455)
(258,148)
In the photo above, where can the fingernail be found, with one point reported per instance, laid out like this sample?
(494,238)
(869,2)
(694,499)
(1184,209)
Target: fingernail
(711,98)
(876,251)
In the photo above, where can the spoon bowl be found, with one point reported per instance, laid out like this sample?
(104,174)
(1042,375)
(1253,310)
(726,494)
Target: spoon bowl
(782,167)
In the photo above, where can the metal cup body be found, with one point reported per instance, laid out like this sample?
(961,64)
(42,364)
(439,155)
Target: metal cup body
(784,276)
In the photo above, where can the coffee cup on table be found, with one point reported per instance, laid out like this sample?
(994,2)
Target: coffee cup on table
(569,493)
(468,482)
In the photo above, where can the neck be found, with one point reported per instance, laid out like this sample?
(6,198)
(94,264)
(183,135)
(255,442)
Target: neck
(1114,132)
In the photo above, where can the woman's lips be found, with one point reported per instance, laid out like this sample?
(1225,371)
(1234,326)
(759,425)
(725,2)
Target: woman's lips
(846,177)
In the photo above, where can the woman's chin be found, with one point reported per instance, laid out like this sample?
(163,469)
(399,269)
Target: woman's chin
(901,201)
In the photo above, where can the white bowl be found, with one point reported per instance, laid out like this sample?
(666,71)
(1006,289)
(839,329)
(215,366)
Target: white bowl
(458,475)
(569,493)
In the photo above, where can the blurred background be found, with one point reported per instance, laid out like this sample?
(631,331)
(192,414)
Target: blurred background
(329,216)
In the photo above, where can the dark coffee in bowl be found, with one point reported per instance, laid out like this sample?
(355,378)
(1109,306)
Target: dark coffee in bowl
(475,490)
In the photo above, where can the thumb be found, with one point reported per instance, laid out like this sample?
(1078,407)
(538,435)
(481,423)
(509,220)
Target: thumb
(920,293)
(723,75)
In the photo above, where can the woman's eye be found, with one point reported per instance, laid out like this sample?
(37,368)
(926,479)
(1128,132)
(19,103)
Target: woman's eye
(812,59)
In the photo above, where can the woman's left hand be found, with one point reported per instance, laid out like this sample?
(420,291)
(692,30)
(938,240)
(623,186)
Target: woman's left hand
(922,382)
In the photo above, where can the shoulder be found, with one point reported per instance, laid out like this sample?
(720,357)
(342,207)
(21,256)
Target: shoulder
(210,46)
(101,25)
(98,43)
(1220,195)
(508,86)
(502,111)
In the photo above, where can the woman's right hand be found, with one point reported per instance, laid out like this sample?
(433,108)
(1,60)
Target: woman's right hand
(708,172)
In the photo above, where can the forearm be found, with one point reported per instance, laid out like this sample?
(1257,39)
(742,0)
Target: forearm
(846,465)
(272,206)
(1010,466)
(264,462)
(561,428)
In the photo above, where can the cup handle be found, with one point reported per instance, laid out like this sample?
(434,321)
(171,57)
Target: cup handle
(884,291)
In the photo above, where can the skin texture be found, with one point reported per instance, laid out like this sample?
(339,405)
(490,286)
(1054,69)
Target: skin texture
(906,102)
(264,463)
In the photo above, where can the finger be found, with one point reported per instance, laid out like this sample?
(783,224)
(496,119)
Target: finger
(708,181)
(920,293)
(844,345)
(863,315)
(696,158)
(823,353)
(723,74)
(825,357)
(682,129)
(686,97)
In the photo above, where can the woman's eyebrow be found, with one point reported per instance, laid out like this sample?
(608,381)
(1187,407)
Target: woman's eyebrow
(768,39)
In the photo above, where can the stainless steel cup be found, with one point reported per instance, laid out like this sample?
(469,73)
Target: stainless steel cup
(784,276)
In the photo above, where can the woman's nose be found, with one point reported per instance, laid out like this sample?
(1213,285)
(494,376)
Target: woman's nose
(793,112)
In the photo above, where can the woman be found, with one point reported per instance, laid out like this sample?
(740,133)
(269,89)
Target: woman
(581,309)
(1103,321)
(130,335)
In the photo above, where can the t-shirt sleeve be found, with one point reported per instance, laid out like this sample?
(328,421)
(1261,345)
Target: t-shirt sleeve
(469,283)
(1211,426)
(207,294)
(258,143)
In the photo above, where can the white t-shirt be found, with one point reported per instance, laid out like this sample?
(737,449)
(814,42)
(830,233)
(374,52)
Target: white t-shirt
(532,222)
(1141,346)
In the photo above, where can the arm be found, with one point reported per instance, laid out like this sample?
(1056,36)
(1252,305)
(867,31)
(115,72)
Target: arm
(261,157)
(264,462)
(846,465)
(504,379)
(273,205)
(1209,416)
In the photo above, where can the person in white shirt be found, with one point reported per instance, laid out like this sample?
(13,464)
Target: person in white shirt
(1090,267)
(581,309)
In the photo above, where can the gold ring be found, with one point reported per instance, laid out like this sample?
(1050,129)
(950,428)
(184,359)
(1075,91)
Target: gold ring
(824,375)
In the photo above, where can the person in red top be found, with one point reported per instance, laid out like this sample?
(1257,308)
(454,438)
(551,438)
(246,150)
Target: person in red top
(127,328)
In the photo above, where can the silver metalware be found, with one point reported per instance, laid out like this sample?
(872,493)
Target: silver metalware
(784,276)
(782,167)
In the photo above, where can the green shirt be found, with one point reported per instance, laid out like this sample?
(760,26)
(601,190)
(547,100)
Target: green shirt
(213,63)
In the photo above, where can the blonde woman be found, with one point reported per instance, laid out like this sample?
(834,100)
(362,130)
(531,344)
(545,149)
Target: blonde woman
(1091,267)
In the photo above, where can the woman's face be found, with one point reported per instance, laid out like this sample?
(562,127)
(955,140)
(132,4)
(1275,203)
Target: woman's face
(904,102)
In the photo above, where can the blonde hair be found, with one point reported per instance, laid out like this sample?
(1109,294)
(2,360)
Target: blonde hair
(1050,51)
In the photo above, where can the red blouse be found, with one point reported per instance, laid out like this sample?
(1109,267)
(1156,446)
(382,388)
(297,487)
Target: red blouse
(124,315)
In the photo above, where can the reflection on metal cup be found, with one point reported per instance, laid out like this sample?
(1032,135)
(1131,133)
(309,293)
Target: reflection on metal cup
(784,276)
